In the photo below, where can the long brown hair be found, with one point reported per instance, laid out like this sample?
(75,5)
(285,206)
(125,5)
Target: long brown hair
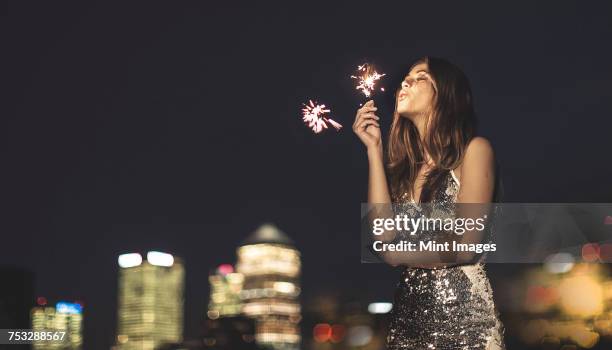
(450,126)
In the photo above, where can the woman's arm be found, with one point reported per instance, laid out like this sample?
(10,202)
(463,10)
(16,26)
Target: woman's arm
(477,173)
(380,201)
(477,187)
(368,130)
(366,127)
(378,188)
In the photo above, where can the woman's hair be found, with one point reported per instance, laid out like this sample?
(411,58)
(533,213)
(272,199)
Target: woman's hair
(450,126)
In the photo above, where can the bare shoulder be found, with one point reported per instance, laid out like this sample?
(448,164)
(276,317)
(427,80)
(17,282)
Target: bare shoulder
(478,154)
(479,148)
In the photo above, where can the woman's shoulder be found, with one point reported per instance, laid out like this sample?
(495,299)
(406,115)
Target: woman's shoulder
(478,146)
(478,152)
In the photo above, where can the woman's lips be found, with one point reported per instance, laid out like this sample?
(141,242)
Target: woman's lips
(401,96)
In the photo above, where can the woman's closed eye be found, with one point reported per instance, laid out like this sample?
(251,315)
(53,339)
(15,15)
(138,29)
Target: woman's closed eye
(411,81)
(422,77)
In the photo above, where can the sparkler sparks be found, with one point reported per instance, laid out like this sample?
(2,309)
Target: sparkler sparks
(367,79)
(315,116)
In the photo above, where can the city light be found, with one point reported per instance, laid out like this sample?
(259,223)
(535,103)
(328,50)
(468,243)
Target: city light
(322,332)
(559,263)
(130,260)
(566,306)
(160,259)
(590,252)
(224,269)
(379,308)
(359,335)
(581,296)
(68,308)
(285,287)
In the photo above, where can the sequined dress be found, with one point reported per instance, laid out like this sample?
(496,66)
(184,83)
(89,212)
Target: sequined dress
(447,308)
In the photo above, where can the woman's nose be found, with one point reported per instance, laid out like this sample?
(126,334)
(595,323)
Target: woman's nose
(406,84)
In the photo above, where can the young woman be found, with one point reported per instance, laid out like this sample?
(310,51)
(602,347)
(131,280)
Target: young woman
(434,156)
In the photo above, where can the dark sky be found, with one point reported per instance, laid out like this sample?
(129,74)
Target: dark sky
(176,126)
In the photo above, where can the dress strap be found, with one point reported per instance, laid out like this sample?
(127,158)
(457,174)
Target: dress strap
(455,177)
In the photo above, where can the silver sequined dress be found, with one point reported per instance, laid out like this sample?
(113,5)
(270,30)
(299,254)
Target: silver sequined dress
(447,308)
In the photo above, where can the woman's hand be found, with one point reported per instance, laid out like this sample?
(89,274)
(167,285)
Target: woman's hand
(366,126)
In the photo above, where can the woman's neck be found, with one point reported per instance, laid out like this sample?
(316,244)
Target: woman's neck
(420,122)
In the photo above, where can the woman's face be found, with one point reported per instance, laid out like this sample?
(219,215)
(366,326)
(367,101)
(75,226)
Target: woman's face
(417,92)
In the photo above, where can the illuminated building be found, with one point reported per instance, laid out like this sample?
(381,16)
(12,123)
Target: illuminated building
(64,317)
(225,288)
(150,301)
(271,267)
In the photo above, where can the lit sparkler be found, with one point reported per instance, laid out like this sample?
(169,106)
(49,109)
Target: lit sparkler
(367,79)
(316,117)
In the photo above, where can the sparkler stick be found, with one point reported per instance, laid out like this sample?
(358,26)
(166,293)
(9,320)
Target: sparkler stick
(316,117)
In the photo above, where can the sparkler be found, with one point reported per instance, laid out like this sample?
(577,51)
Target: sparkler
(367,78)
(316,117)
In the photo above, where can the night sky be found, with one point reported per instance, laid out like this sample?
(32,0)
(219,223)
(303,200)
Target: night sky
(176,126)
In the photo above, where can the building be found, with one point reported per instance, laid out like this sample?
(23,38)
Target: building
(150,301)
(16,300)
(225,288)
(65,317)
(16,297)
(271,266)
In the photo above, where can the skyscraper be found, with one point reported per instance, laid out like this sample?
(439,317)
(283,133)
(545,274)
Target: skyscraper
(150,301)
(64,317)
(271,266)
(225,288)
